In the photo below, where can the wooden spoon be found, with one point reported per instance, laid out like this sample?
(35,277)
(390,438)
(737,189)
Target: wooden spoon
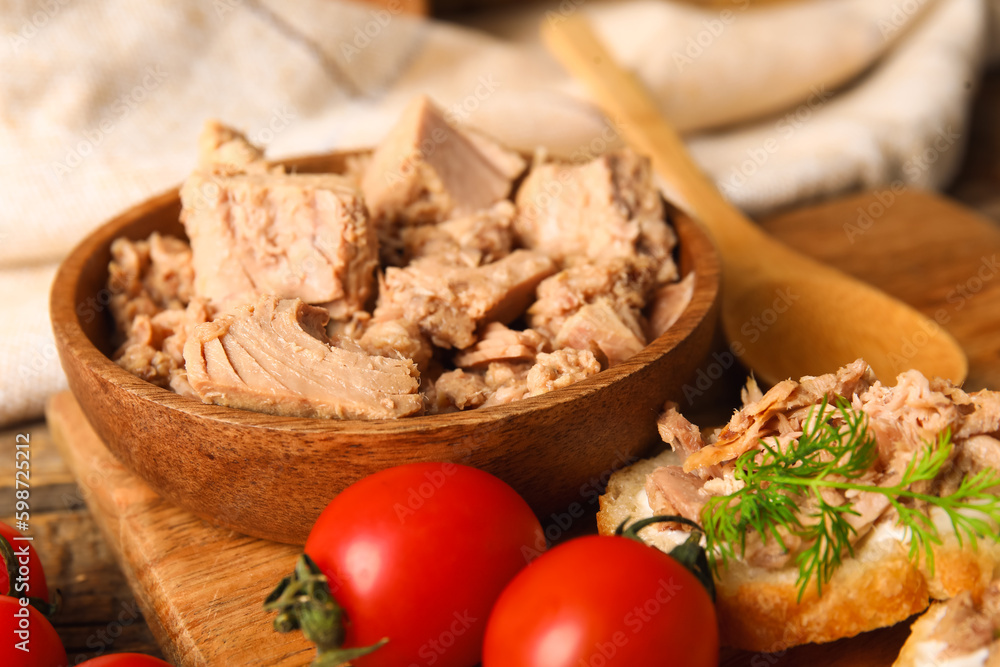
(784,314)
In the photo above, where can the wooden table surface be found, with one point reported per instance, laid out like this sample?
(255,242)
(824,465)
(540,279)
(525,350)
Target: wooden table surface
(100,614)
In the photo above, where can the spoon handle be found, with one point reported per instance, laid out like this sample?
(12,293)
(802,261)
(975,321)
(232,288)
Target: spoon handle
(624,99)
(839,318)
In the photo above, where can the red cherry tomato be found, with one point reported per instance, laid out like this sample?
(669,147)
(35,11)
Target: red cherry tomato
(419,553)
(34,581)
(125,660)
(29,640)
(603,602)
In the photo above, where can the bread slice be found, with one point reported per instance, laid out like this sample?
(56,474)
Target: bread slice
(958,633)
(759,610)
(877,584)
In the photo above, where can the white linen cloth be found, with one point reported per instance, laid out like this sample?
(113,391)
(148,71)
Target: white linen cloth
(101,103)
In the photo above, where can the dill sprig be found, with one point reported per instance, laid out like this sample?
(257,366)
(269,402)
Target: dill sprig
(836,447)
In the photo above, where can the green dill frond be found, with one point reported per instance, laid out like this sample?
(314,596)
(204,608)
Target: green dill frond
(835,449)
(826,537)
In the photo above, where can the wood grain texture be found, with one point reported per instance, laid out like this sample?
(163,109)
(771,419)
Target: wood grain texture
(415,7)
(942,259)
(201,586)
(99,612)
(817,319)
(270,476)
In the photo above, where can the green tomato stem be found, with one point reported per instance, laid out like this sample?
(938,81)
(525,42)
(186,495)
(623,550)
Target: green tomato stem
(304,602)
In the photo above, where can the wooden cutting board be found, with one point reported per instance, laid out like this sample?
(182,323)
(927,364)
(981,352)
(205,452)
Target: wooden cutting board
(201,587)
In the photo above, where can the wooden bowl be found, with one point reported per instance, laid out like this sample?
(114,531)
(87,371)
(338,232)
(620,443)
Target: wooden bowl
(270,476)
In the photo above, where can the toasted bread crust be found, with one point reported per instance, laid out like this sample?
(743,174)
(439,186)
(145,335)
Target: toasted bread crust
(920,631)
(618,501)
(764,616)
(958,569)
(880,586)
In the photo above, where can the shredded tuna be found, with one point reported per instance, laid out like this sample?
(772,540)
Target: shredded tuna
(151,284)
(224,150)
(904,419)
(507,381)
(985,416)
(154,349)
(597,307)
(605,208)
(790,398)
(869,507)
(906,416)
(599,328)
(750,393)
(146,277)
(351,327)
(963,627)
(498,383)
(179,324)
(555,370)
(273,356)
(499,343)
(427,171)
(675,430)
(990,604)
(745,428)
(144,359)
(668,303)
(301,236)
(397,338)
(980,452)
(432,208)
(672,491)
(449,303)
(477,239)
(458,390)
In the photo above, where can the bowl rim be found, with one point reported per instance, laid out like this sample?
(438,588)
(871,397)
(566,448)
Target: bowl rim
(69,333)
